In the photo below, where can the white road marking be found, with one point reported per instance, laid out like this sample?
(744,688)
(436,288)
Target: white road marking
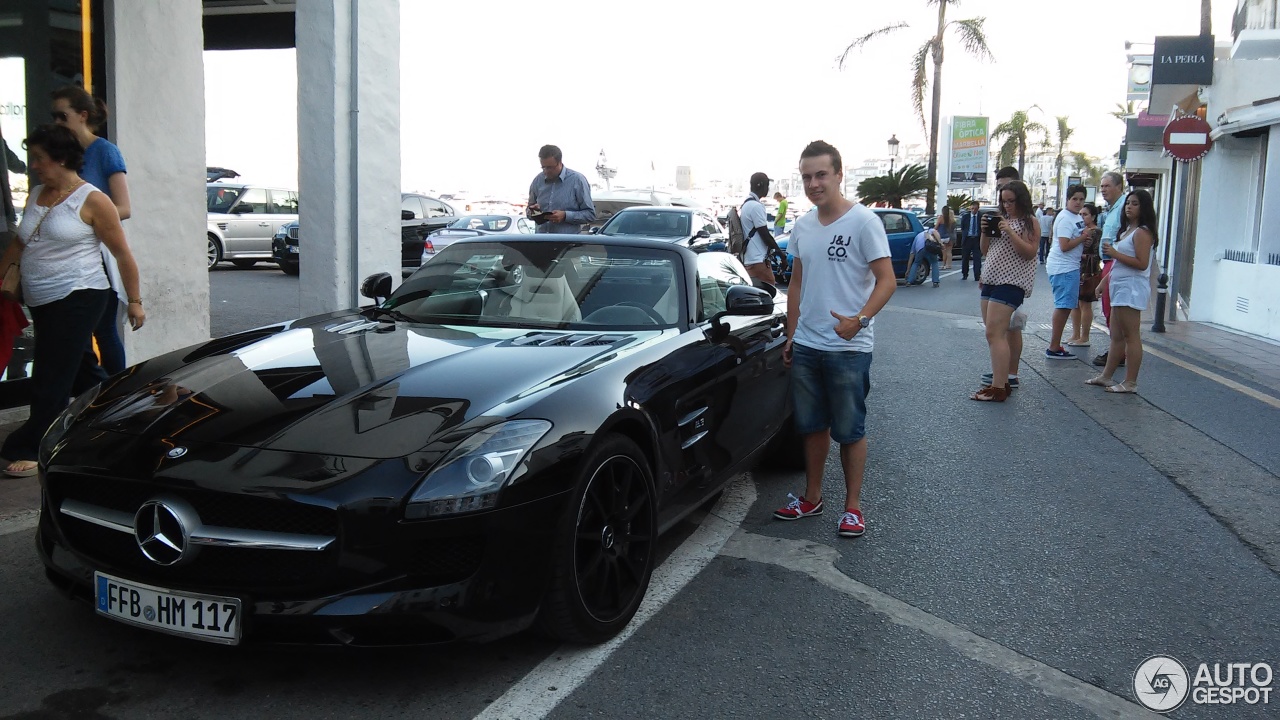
(539,692)
(19,523)
(817,561)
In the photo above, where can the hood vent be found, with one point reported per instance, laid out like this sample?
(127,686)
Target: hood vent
(570,339)
(352,327)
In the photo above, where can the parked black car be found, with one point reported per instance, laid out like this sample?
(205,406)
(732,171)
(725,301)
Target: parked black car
(498,443)
(420,216)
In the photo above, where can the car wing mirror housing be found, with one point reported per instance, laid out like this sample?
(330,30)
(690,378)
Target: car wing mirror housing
(376,286)
(407,215)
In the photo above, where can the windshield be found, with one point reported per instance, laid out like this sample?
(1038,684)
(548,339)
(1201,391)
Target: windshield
(487,223)
(221,198)
(568,285)
(648,223)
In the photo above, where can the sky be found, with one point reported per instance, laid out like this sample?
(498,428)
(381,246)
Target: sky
(727,88)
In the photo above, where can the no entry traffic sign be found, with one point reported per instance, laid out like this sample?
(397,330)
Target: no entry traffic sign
(1187,138)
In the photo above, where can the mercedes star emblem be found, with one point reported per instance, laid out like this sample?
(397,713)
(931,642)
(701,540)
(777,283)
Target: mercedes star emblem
(177,453)
(162,532)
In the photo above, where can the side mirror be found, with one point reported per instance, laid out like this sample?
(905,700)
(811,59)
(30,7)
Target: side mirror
(376,286)
(594,231)
(748,300)
(407,215)
(702,234)
(241,209)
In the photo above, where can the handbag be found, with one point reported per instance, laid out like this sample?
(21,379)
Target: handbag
(11,284)
(933,247)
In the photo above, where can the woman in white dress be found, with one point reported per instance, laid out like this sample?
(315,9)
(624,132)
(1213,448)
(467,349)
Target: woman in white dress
(1130,288)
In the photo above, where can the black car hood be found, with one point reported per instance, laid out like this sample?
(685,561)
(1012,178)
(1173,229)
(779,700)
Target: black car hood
(343,384)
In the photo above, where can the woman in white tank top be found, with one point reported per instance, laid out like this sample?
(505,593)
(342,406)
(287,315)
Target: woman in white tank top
(1130,286)
(63,283)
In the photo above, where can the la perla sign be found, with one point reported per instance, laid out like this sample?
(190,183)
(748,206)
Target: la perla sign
(1180,60)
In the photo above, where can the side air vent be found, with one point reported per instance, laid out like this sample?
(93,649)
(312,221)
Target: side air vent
(569,339)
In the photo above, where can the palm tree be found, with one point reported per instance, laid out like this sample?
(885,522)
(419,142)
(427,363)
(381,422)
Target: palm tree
(904,183)
(971,37)
(958,202)
(1206,26)
(1015,132)
(1062,137)
(1124,112)
(1087,168)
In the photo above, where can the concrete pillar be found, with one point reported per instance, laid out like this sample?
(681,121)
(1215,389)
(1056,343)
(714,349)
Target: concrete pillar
(156,96)
(348,147)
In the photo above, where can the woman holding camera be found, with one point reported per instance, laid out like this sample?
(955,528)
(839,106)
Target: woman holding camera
(1009,245)
(1130,287)
(63,283)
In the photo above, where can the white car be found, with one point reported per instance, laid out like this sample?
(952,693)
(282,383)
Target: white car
(243,219)
(469,226)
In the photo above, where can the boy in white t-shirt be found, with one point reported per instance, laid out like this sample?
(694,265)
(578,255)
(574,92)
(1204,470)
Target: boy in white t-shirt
(841,277)
(1063,266)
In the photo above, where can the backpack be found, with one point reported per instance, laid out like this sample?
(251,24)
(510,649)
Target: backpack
(737,236)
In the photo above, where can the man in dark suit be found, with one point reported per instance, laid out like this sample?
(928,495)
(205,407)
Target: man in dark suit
(971,232)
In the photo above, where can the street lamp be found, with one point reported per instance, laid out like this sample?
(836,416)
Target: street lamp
(893,151)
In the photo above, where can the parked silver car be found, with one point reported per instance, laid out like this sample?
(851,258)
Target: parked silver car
(243,219)
(469,226)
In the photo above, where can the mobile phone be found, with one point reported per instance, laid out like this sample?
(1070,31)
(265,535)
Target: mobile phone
(993,225)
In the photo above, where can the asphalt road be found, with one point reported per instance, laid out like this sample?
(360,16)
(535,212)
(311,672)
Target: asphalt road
(1021,561)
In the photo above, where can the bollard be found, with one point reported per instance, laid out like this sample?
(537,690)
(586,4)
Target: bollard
(1162,291)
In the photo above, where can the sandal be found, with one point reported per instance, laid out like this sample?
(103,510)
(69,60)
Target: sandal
(1123,387)
(24,471)
(991,393)
(1077,343)
(1101,381)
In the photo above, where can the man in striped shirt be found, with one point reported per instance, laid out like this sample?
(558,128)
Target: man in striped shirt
(559,198)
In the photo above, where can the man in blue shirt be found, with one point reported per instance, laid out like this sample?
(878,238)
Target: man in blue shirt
(559,198)
(1112,187)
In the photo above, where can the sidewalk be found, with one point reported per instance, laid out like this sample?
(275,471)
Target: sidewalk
(19,497)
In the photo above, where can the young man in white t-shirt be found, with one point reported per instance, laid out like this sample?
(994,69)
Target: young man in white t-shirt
(842,276)
(1063,266)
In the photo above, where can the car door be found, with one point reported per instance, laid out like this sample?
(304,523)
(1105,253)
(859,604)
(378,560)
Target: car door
(902,233)
(249,226)
(737,395)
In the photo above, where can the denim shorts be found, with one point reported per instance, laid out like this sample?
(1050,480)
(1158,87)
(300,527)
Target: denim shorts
(1010,295)
(1066,290)
(829,391)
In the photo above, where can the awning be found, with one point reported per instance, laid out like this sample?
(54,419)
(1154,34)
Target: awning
(1259,114)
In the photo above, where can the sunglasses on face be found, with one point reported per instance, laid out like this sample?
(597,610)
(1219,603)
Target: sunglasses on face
(59,116)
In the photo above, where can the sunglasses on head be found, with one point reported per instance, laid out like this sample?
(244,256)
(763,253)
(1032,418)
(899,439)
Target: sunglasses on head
(59,116)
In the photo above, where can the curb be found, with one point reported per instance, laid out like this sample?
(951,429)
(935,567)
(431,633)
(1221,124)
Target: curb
(1191,352)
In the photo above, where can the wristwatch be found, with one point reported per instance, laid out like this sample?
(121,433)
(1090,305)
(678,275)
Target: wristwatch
(864,321)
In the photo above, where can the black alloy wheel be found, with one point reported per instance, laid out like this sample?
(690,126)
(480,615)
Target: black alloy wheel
(605,551)
(215,252)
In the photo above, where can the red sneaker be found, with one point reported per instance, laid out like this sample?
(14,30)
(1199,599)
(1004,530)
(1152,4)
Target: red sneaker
(797,508)
(851,524)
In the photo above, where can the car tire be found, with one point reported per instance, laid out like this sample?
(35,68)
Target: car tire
(921,275)
(605,545)
(215,251)
(290,268)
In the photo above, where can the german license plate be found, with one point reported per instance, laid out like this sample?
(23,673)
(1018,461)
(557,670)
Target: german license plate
(203,617)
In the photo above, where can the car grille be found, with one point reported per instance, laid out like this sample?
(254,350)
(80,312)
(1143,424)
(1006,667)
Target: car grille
(217,509)
(293,233)
(236,569)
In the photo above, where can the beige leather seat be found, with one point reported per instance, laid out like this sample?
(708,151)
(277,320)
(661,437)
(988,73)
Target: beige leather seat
(668,306)
(545,298)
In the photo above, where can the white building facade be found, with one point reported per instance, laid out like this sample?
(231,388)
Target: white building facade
(1235,270)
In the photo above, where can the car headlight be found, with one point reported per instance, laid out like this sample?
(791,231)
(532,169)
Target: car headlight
(471,477)
(63,423)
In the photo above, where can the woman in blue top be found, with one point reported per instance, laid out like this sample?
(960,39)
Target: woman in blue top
(104,168)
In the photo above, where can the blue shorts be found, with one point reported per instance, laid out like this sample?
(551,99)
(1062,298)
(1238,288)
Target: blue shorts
(1010,295)
(829,392)
(1066,290)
